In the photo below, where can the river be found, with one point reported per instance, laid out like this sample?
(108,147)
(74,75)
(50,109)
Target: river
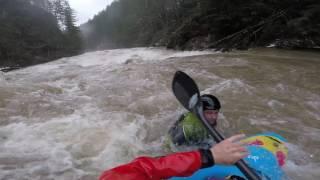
(77,116)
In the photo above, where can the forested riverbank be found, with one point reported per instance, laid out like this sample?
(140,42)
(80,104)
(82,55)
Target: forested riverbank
(38,31)
(202,24)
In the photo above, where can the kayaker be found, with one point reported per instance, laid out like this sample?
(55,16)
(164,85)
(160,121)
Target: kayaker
(180,164)
(189,130)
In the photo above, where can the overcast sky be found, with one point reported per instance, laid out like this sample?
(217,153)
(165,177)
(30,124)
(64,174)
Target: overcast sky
(86,9)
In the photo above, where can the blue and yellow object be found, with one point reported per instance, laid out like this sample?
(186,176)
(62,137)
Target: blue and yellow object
(267,154)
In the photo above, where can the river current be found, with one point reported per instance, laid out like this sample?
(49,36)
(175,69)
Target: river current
(77,116)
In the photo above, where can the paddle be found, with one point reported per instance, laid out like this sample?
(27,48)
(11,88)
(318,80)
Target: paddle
(187,93)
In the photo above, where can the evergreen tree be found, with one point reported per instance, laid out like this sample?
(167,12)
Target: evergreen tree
(72,32)
(30,33)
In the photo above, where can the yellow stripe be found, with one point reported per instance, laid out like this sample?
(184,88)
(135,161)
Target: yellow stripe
(272,144)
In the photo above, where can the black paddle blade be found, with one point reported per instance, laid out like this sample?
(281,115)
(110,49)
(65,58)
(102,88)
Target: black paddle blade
(185,90)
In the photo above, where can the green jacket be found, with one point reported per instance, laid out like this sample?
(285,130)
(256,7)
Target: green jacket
(188,130)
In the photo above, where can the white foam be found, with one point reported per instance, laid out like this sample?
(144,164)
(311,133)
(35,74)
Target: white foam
(281,87)
(299,164)
(297,172)
(55,147)
(271,45)
(107,60)
(120,56)
(259,121)
(274,104)
(315,106)
(235,86)
(2,78)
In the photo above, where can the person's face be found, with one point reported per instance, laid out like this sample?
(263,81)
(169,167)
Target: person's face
(211,116)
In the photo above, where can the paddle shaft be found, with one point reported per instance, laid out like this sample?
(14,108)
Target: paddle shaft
(244,168)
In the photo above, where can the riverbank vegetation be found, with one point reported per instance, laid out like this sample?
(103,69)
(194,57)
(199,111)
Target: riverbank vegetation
(36,31)
(201,24)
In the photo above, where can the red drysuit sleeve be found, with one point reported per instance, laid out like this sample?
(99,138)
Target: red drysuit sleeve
(147,168)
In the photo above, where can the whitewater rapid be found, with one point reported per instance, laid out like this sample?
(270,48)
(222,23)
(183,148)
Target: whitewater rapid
(77,116)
